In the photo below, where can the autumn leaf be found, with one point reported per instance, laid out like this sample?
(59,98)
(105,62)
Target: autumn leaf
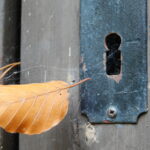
(33,108)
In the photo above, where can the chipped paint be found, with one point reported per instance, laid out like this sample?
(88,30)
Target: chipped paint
(128,90)
(84,67)
(116,78)
(107,121)
(90,134)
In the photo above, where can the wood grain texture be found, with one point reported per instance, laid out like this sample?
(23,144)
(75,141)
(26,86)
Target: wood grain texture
(50,50)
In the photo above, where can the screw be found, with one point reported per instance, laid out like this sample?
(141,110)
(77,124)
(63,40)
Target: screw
(112,112)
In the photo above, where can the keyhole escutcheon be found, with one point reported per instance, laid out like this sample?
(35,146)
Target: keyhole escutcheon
(113,54)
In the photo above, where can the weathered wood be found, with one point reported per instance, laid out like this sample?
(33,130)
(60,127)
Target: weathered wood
(10,11)
(50,50)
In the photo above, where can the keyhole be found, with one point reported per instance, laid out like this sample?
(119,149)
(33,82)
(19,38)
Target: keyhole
(113,54)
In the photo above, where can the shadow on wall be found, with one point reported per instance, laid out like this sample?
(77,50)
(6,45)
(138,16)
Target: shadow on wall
(11,53)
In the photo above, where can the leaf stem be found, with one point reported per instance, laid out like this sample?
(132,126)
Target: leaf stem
(78,83)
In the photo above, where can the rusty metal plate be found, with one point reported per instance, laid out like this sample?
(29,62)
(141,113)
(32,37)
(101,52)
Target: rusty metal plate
(114,54)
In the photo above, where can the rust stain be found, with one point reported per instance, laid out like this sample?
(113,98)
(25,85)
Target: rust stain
(116,78)
(106,121)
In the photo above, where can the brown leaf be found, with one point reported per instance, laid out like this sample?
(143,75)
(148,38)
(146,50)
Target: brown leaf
(33,108)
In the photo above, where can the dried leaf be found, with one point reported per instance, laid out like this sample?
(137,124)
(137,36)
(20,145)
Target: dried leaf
(33,108)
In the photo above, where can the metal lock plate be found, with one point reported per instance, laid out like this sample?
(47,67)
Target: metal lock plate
(114,54)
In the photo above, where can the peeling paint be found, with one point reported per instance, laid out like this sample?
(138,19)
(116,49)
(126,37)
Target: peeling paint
(107,122)
(84,67)
(116,78)
(90,134)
